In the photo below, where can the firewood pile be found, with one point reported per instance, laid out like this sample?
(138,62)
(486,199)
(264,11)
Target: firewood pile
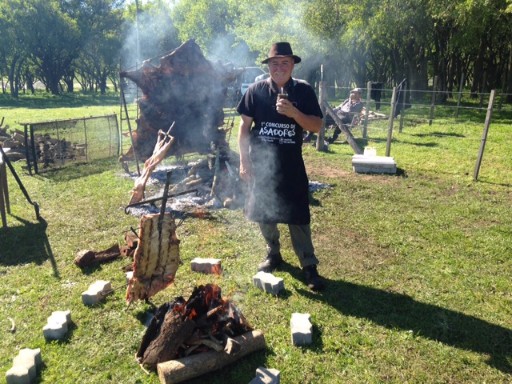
(189,338)
(180,328)
(15,141)
(48,149)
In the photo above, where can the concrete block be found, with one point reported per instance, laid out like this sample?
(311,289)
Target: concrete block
(17,375)
(56,326)
(268,282)
(25,366)
(28,362)
(36,355)
(266,376)
(96,292)
(62,315)
(301,329)
(209,266)
(373,164)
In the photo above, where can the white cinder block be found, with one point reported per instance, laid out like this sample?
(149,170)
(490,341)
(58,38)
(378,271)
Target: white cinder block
(268,282)
(301,329)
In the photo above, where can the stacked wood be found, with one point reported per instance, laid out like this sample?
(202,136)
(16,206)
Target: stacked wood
(205,322)
(180,370)
(48,149)
(15,141)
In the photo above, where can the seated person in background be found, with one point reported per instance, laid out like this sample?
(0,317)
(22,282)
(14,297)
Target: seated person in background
(345,111)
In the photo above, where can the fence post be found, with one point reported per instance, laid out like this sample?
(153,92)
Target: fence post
(402,110)
(484,81)
(484,135)
(390,125)
(367,109)
(320,138)
(432,105)
(459,97)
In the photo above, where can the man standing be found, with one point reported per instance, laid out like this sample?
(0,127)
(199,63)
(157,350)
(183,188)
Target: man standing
(274,114)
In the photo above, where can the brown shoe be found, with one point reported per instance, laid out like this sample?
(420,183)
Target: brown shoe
(270,263)
(313,279)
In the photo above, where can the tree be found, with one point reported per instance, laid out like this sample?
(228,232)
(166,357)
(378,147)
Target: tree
(13,52)
(99,22)
(53,42)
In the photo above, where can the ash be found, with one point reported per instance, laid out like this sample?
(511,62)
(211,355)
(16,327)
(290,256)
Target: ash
(196,177)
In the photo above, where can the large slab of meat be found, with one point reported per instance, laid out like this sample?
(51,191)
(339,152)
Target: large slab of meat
(184,88)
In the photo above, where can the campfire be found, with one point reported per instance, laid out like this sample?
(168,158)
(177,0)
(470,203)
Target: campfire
(187,338)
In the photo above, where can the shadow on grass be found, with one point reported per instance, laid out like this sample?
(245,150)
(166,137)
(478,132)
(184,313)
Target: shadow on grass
(394,310)
(438,134)
(27,243)
(74,171)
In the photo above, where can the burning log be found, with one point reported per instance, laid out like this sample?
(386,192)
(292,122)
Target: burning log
(204,322)
(177,371)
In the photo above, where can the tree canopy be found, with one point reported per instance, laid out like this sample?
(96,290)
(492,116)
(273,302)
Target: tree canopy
(61,41)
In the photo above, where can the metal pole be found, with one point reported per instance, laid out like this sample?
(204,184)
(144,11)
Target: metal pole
(129,128)
(390,125)
(484,135)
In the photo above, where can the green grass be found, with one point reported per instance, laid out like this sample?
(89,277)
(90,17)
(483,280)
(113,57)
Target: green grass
(417,265)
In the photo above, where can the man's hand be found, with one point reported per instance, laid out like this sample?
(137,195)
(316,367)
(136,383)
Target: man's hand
(285,107)
(245,171)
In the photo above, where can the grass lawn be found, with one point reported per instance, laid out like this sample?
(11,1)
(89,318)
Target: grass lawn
(418,265)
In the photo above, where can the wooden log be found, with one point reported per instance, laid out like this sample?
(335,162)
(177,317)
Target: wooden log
(175,331)
(89,258)
(177,371)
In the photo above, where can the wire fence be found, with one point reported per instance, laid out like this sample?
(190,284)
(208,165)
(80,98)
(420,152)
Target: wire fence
(58,143)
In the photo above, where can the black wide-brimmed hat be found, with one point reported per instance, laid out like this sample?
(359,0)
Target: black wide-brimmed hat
(282,49)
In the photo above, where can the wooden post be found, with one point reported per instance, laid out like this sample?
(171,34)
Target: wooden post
(484,135)
(367,109)
(459,97)
(322,100)
(402,110)
(390,124)
(433,104)
(484,81)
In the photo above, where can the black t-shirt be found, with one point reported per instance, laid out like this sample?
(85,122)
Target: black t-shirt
(278,191)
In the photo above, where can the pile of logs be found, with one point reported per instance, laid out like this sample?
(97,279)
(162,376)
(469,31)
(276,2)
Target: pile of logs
(15,141)
(48,149)
(187,338)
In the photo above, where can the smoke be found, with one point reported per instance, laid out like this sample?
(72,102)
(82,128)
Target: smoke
(150,36)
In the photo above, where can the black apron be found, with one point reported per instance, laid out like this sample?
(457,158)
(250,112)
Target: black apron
(278,191)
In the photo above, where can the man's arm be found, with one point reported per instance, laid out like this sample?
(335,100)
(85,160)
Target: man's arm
(243,145)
